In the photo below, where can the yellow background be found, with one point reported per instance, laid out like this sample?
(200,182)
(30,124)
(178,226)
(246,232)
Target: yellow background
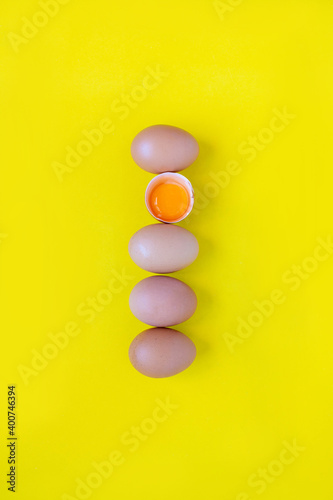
(224,75)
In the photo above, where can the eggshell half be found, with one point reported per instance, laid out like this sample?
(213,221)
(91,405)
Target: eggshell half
(161,352)
(163,248)
(162,301)
(174,178)
(163,148)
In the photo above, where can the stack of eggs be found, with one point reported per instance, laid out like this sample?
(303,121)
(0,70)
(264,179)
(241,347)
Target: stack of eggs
(163,248)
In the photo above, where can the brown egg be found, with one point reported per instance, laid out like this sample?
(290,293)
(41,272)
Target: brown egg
(163,148)
(161,352)
(162,301)
(163,248)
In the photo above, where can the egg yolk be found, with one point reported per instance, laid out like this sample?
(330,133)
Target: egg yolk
(169,201)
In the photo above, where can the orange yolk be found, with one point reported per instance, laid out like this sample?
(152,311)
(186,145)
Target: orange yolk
(169,201)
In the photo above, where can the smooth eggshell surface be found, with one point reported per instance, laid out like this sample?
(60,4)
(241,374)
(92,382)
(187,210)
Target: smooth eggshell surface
(161,352)
(162,301)
(163,148)
(163,248)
